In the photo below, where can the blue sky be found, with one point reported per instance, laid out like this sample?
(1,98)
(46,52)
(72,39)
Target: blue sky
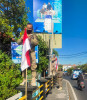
(74,30)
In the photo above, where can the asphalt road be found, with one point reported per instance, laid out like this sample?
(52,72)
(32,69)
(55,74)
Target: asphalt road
(81,95)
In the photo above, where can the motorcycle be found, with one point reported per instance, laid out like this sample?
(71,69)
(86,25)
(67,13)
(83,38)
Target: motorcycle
(81,85)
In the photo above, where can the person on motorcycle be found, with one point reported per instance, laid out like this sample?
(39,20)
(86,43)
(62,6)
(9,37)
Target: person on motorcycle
(80,78)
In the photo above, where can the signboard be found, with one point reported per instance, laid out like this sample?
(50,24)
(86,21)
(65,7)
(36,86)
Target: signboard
(57,39)
(16,51)
(36,53)
(43,8)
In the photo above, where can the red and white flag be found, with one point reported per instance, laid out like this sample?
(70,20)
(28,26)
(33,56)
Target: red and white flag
(56,64)
(25,63)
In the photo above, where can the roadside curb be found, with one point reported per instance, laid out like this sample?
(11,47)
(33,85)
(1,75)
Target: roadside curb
(72,90)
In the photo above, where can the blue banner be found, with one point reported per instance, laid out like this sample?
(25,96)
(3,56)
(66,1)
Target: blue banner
(16,51)
(36,53)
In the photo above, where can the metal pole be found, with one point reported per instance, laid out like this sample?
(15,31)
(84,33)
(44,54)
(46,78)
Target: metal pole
(49,57)
(52,39)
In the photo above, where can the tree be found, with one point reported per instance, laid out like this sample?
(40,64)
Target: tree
(15,12)
(5,38)
(83,67)
(43,51)
(70,71)
(55,52)
(5,28)
(60,66)
(13,15)
(10,77)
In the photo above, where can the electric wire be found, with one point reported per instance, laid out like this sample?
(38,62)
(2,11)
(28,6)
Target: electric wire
(73,55)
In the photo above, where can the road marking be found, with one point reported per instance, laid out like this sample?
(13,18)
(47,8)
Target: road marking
(71,89)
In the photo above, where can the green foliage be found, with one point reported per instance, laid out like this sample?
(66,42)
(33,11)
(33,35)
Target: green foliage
(70,70)
(14,14)
(60,66)
(55,52)
(43,51)
(10,77)
(83,67)
(5,27)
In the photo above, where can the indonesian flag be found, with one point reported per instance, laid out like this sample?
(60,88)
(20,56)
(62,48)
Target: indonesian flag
(56,64)
(25,52)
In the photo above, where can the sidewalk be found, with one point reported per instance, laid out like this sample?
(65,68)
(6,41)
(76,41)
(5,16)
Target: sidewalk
(59,94)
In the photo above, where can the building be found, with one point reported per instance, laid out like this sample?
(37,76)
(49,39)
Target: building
(67,66)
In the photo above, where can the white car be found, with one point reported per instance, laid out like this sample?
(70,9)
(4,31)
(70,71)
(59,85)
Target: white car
(75,73)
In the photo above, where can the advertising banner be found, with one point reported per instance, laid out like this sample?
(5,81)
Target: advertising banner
(43,8)
(16,51)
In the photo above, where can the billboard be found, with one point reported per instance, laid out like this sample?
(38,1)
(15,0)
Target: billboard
(44,8)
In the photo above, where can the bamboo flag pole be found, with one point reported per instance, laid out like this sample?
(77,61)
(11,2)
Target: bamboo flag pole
(26,85)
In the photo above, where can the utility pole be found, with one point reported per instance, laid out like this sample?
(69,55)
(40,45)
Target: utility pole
(49,27)
(51,48)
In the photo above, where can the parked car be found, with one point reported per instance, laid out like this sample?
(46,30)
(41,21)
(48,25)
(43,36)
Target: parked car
(75,73)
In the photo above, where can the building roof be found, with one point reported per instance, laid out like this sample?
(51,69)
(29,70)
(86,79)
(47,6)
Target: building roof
(69,65)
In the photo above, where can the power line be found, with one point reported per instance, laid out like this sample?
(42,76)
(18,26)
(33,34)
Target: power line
(73,55)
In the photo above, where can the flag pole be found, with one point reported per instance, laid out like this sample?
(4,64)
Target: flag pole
(26,85)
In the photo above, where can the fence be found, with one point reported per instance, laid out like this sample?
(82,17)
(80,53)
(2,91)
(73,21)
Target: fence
(44,89)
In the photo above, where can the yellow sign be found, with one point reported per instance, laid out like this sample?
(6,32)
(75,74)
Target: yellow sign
(57,40)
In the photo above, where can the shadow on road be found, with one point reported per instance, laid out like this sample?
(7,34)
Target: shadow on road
(76,87)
